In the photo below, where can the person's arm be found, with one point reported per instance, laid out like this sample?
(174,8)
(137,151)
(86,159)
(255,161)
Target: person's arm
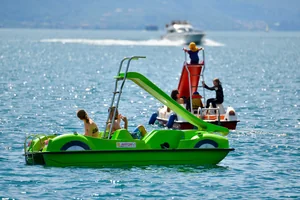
(206,87)
(125,122)
(184,49)
(210,88)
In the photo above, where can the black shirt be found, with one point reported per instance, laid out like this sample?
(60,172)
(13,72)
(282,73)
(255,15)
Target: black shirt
(219,92)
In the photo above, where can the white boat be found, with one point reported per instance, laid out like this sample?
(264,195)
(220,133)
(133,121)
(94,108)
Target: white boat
(183,31)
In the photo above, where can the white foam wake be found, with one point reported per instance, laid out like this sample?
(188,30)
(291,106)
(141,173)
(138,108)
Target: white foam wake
(109,42)
(212,43)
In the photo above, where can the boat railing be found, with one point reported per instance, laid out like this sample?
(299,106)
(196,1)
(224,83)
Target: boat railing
(114,102)
(189,78)
(202,112)
(202,72)
(32,137)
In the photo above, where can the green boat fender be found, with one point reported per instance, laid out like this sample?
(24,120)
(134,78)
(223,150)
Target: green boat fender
(122,134)
(120,140)
(188,134)
(210,140)
(203,139)
(164,139)
(66,141)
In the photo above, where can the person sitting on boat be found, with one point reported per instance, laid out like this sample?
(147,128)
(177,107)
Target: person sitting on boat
(219,93)
(90,127)
(196,100)
(117,120)
(174,95)
(137,133)
(193,53)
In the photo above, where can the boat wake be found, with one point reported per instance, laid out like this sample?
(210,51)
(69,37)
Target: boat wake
(109,42)
(212,43)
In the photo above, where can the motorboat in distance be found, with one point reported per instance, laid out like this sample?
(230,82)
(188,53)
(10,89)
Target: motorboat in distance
(183,31)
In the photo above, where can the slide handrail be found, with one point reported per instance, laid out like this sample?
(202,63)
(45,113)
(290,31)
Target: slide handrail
(202,73)
(190,85)
(119,92)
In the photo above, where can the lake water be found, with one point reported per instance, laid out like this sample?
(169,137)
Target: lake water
(47,75)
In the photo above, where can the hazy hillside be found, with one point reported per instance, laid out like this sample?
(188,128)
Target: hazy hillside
(135,14)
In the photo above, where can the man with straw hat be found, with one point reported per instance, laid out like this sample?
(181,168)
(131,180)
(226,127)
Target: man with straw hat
(193,52)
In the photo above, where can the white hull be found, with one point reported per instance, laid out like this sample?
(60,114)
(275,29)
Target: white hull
(185,37)
(228,118)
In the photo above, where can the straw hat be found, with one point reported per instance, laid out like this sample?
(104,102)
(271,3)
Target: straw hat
(193,47)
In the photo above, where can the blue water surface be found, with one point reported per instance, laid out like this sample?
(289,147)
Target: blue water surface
(47,75)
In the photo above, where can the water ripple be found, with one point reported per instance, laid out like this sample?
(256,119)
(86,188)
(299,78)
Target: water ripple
(43,84)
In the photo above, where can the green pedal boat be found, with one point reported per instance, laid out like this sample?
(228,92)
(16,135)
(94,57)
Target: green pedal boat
(205,146)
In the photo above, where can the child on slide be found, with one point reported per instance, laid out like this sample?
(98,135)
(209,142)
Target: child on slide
(193,53)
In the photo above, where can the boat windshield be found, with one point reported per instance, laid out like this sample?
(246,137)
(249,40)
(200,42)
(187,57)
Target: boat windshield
(181,30)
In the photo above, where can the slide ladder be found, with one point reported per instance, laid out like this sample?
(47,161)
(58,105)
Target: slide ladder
(117,93)
(190,76)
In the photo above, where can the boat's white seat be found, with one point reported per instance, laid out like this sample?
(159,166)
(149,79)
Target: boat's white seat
(221,108)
